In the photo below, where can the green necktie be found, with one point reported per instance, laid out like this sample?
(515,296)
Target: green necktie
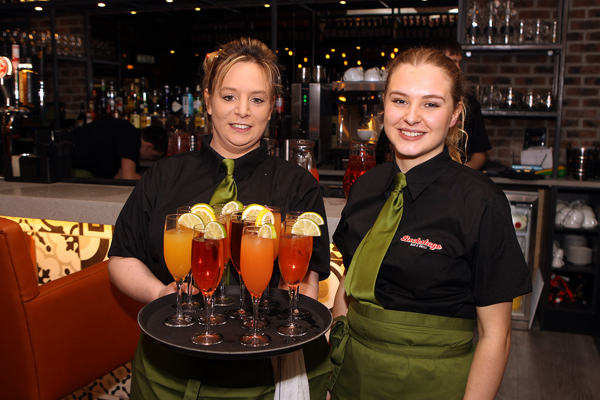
(226,191)
(364,267)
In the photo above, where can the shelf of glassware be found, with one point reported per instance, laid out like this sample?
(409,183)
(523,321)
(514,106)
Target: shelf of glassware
(548,48)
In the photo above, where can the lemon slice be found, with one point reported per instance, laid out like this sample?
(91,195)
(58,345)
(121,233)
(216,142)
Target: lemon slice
(306,227)
(214,230)
(265,216)
(204,211)
(313,216)
(267,231)
(252,211)
(232,206)
(189,220)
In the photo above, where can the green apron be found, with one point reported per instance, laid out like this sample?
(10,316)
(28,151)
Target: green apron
(388,354)
(384,354)
(162,374)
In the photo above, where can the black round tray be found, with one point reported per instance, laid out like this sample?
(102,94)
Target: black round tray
(152,315)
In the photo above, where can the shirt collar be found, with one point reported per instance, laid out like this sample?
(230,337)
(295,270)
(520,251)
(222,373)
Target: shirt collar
(420,177)
(244,165)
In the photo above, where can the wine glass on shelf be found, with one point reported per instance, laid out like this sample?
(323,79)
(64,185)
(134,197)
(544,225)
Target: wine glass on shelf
(266,302)
(177,248)
(207,267)
(294,256)
(256,266)
(221,299)
(237,225)
(190,305)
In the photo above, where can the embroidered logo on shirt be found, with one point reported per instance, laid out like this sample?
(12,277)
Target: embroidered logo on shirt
(423,244)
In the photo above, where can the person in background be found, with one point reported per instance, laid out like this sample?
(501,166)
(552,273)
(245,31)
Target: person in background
(429,248)
(240,85)
(478,143)
(112,148)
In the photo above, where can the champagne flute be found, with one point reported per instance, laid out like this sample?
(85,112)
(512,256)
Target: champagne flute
(237,225)
(207,267)
(190,305)
(294,256)
(256,266)
(221,299)
(299,313)
(177,247)
(218,319)
(266,303)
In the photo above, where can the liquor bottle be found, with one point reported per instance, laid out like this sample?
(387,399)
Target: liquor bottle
(81,118)
(166,101)
(187,102)
(199,118)
(145,118)
(90,115)
(102,101)
(143,96)
(132,99)
(176,105)
(111,99)
(119,107)
(135,119)
(155,106)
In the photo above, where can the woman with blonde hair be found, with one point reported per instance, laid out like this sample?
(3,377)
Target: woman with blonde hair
(429,248)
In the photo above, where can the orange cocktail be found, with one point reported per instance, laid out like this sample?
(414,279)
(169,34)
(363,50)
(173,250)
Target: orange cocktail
(294,256)
(178,251)
(256,265)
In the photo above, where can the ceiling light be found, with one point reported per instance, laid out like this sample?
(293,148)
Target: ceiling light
(169,1)
(305,59)
(39,8)
(342,2)
(358,62)
(267,5)
(101,5)
(327,56)
(299,65)
(172,51)
(197,9)
(133,12)
(357,47)
(290,53)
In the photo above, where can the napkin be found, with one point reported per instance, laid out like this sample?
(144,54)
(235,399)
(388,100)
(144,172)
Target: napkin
(291,382)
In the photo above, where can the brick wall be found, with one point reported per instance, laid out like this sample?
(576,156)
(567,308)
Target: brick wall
(525,73)
(71,74)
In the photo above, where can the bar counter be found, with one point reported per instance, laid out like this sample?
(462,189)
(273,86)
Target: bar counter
(89,203)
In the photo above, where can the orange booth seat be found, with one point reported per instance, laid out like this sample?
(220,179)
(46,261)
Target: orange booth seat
(60,336)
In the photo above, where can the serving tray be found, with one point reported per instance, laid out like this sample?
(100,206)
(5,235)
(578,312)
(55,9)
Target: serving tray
(152,315)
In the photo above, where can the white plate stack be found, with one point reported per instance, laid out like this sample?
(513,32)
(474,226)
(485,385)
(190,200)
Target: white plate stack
(579,255)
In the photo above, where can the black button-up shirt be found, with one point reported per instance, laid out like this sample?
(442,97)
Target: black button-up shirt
(192,177)
(455,247)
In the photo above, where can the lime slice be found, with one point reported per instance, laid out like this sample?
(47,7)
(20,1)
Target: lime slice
(189,220)
(252,211)
(267,231)
(313,216)
(306,227)
(265,216)
(214,230)
(232,206)
(204,211)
